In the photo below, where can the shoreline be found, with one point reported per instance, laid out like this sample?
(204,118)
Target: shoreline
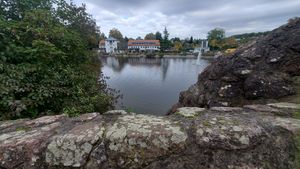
(168,56)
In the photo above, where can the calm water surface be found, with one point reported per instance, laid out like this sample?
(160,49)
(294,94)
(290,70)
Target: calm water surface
(150,86)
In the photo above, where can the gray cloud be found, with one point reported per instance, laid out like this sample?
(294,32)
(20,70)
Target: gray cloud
(185,18)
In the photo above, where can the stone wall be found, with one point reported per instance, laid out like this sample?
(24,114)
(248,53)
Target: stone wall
(255,136)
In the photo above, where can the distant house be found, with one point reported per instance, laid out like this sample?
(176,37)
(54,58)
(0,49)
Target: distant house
(109,45)
(144,45)
(204,47)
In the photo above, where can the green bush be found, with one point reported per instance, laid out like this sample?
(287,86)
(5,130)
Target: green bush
(46,68)
(161,55)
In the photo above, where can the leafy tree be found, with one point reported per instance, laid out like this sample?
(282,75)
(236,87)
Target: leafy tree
(246,37)
(123,44)
(45,67)
(165,43)
(215,38)
(126,39)
(115,33)
(16,9)
(178,46)
(166,34)
(176,39)
(191,40)
(76,18)
(158,36)
(229,43)
(187,46)
(150,36)
(102,36)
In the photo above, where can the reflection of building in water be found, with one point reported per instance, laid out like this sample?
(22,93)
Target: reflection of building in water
(144,62)
(117,64)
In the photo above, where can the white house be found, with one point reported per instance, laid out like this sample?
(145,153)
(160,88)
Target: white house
(203,47)
(144,45)
(111,45)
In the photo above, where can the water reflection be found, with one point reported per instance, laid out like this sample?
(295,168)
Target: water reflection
(150,86)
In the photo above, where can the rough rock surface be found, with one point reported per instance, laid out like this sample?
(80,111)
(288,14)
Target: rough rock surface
(261,69)
(256,136)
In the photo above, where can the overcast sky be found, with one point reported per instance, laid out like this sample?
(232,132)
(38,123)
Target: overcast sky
(185,18)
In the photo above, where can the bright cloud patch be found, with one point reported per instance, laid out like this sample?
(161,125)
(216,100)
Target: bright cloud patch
(185,18)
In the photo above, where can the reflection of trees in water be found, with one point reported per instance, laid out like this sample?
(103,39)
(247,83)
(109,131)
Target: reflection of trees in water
(144,62)
(117,64)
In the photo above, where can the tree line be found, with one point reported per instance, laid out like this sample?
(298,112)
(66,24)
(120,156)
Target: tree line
(216,38)
(46,65)
(177,44)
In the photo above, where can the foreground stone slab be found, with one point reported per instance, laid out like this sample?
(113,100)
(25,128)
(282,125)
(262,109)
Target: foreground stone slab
(23,148)
(193,138)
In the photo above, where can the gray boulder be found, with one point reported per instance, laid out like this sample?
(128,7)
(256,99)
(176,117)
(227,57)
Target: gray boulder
(260,70)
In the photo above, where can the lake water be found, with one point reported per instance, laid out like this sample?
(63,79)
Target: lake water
(150,86)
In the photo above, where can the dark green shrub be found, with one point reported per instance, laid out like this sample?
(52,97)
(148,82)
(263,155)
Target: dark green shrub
(46,68)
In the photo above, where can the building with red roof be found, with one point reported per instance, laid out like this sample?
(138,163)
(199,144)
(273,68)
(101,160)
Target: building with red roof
(144,45)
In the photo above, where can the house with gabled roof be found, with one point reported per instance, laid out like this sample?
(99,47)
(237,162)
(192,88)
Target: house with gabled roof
(109,45)
(144,45)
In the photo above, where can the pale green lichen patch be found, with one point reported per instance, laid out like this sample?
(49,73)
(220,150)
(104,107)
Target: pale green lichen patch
(116,112)
(87,117)
(226,129)
(293,125)
(23,128)
(72,148)
(45,120)
(290,124)
(226,109)
(244,140)
(296,115)
(26,136)
(144,137)
(189,112)
(285,105)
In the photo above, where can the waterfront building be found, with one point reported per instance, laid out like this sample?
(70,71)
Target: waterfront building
(144,45)
(109,45)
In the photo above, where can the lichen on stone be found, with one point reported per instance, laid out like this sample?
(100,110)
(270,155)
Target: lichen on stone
(134,134)
(189,112)
(72,148)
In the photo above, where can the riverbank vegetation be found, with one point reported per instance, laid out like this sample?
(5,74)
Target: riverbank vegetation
(46,65)
(219,42)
